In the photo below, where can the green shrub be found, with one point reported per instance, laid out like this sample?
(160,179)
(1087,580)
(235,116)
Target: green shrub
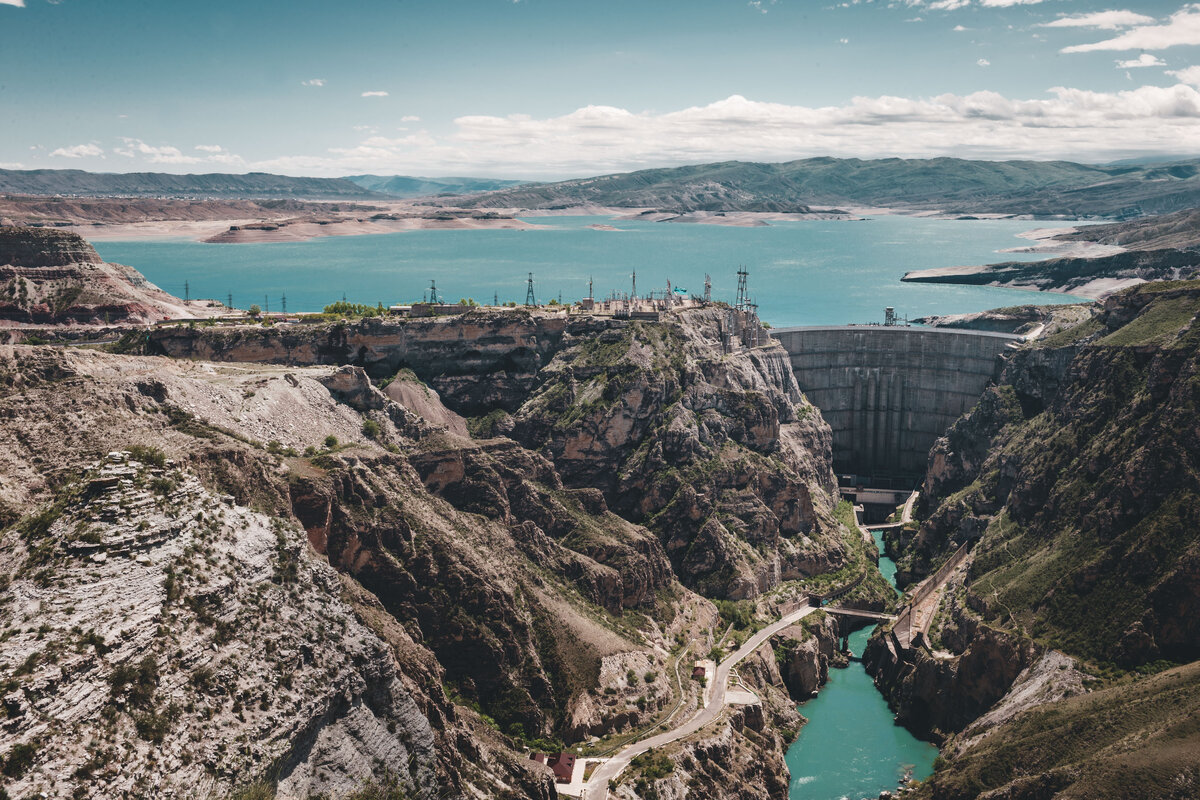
(147,455)
(19,759)
(371,429)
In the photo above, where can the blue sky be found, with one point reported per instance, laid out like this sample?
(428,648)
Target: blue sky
(561,88)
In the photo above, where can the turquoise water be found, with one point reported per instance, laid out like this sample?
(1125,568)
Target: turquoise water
(850,748)
(801,273)
(887,567)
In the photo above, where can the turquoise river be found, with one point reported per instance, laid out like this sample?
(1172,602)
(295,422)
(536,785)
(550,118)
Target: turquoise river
(801,273)
(850,748)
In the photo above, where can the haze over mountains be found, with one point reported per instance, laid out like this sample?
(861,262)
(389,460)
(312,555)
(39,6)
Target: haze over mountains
(408,186)
(1060,189)
(1039,188)
(162,184)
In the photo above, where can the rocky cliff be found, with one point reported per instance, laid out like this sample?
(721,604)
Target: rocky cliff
(169,629)
(53,277)
(1076,477)
(718,453)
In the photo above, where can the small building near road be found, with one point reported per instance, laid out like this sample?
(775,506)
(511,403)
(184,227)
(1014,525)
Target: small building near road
(561,764)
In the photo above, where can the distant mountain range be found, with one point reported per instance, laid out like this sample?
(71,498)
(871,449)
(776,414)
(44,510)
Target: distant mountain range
(407,186)
(255,185)
(951,185)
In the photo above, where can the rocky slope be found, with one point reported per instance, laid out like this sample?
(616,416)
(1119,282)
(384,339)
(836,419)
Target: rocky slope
(1076,477)
(351,592)
(52,277)
(1177,231)
(720,455)
(1087,277)
(221,556)
(164,603)
(1030,320)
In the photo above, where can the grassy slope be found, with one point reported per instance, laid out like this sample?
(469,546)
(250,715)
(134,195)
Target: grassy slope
(1093,548)
(1134,741)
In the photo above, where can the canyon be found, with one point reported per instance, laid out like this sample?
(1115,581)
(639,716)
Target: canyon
(324,559)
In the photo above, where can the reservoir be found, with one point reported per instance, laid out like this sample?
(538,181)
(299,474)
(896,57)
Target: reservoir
(820,272)
(850,748)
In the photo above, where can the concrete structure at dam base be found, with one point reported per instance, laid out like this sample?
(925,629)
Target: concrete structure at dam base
(889,391)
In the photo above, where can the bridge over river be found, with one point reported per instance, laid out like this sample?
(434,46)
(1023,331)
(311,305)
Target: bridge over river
(889,391)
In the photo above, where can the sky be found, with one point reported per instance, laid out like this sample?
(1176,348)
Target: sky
(550,89)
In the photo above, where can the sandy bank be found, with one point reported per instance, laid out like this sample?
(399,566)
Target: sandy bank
(246,231)
(1048,243)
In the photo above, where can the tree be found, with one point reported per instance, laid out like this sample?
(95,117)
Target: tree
(254,310)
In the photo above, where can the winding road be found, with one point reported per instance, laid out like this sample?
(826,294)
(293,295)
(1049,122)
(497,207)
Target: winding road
(597,787)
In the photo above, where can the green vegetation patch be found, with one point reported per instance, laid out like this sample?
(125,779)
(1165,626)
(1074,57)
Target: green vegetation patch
(1158,325)
(1135,740)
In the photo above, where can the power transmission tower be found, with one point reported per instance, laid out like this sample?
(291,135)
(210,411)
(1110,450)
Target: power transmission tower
(433,295)
(495,298)
(743,297)
(589,287)
(633,296)
(230,303)
(187,292)
(529,298)
(283,302)
(707,288)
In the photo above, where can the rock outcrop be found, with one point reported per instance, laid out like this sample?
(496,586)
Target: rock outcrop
(54,277)
(718,453)
(194,638)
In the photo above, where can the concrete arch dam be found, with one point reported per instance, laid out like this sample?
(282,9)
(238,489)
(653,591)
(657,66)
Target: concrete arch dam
(889,392)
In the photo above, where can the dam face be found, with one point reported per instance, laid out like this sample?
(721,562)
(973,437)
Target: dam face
(889,391)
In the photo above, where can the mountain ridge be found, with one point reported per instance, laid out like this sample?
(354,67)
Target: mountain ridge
(153,184)
(951,185)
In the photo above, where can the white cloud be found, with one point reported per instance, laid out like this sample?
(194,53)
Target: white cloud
(313,82)
(983,62)
(1067,123)
(77,151)
(959,29)
(410,118)
(1104,20)
(155,155)
(374,94)
(954,5)
(1144,60)
(1182,28)
(11,165)
(167,154)
(843,40)
(17,3)
(1187,75)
